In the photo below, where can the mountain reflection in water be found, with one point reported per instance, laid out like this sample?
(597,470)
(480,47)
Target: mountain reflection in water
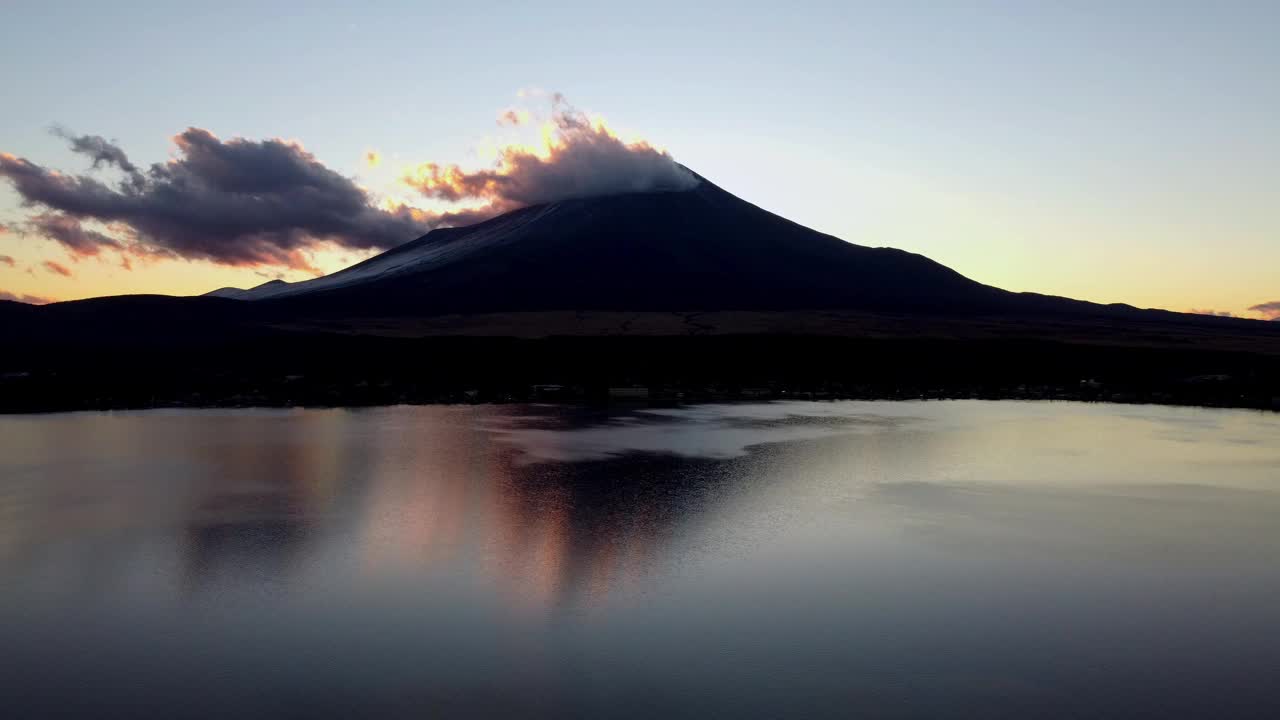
(895,559)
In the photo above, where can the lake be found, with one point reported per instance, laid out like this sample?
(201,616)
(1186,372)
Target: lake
(801,559)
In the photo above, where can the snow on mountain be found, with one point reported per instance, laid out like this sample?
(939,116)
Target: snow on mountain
(438,247)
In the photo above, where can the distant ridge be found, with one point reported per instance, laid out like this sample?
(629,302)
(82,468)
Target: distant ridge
(241,294)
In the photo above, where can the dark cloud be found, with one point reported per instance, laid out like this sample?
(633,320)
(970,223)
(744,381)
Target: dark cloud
(68,232)
(270,203)
(57,268)
(1218,313)
(1269,310)
(235,202)
(102,151)
(23,298)
(6,260)
(581,158)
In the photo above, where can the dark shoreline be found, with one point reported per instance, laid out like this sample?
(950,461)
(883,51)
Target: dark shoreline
(632,403)
(359,371)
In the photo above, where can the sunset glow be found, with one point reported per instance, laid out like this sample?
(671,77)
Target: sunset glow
(1006,165)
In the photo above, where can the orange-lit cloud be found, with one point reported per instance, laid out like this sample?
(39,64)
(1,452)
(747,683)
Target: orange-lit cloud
(24,298)
(1218,313)
(1268,310)
(515,117)
(6,260)
(271,204)
(68,232)
(577,156)
(57,268)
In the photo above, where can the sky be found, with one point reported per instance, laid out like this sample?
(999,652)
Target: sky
(1114,152)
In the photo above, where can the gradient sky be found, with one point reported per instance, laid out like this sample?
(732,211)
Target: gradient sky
(1115,152)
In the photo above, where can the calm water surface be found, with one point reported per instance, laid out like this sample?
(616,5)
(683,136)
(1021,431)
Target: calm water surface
(933,559)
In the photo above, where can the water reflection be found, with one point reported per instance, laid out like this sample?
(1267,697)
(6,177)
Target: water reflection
(756,560)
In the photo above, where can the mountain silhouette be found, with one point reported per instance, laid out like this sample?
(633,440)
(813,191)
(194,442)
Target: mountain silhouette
(693,293)
(698,249)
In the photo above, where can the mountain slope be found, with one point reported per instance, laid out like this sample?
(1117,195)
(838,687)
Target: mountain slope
(691,250)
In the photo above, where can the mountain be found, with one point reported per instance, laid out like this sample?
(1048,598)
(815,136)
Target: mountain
(699,249)
(695,293)
(241,294)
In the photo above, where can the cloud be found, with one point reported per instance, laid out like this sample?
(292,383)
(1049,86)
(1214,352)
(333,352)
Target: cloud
(1268,310)
(271,203)
(6,260)
(23,298)
(1218,313)
(580,156)
(96,147)
(515,117)
(234,202)
(68,232)
(57,268)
